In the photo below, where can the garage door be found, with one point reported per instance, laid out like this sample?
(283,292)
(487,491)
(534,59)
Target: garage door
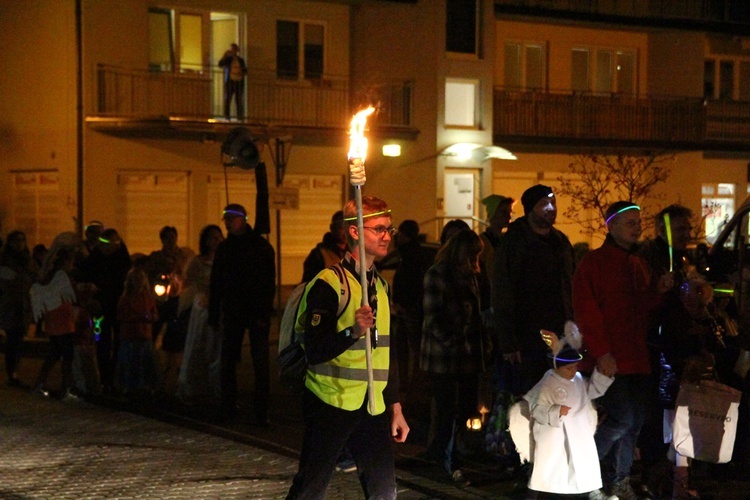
(148,201)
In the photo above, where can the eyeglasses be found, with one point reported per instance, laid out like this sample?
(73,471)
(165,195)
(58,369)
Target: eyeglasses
(381,230)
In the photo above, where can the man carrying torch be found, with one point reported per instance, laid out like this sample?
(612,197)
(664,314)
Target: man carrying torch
(349,382)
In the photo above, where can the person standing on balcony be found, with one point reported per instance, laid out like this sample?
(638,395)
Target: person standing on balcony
(234,80)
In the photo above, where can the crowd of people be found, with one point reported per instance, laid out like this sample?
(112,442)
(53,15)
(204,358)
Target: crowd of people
(137,325)
(644,322)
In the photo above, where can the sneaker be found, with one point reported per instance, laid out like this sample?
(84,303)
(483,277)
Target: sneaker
(347,465)
(623,490)
(458,478)
(601,495)
(41,391)
(70,397)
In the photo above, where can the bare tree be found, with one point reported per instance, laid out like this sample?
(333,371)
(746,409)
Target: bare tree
(600,180)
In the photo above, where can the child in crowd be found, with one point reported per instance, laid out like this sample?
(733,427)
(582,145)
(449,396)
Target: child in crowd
(563,422)
(136,359)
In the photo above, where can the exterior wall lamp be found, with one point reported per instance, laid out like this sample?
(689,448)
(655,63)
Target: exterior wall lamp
(464,151)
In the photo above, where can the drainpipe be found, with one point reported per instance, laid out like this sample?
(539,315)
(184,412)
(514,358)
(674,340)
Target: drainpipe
(79,117)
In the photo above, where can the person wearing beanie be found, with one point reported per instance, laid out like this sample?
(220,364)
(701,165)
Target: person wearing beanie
(565,459)
(614,297)
(531,287)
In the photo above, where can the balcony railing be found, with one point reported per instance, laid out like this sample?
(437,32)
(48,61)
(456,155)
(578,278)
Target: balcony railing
(132,93)
(705,11)
(693,122)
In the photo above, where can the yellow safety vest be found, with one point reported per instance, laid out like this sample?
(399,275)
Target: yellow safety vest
(342,381)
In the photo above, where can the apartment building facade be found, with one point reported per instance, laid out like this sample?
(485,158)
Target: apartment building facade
(113,110)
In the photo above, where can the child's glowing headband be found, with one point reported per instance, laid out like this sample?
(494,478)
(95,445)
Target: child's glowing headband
(374,214)
(631,207)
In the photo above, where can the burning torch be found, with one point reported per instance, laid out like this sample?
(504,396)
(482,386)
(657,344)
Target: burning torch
(356,156)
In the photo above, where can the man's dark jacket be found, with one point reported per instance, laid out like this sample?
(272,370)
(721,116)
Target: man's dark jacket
(243,279)
(532,286)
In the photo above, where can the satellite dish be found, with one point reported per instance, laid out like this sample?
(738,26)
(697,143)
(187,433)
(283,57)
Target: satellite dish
(241,149)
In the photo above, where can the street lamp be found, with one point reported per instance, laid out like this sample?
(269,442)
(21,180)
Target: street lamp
(464,151)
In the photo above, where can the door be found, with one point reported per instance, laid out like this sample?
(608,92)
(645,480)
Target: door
(460,194)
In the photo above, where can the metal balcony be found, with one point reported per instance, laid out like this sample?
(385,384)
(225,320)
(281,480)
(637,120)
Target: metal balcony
(136,99)
(620,121)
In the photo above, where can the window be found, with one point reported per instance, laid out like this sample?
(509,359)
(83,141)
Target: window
(709,70)
(613,71)
(580,77)
(717,202)
(461,103)
(299,50)
(524,66)
(461,26)
(177,40)
(727,79)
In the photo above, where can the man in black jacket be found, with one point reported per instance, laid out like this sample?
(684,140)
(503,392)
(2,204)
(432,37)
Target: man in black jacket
(243,283)
(532,282)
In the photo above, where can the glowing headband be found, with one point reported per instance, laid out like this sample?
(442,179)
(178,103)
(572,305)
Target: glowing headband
(631,207)
(375,214)
(104,240)
(233,212)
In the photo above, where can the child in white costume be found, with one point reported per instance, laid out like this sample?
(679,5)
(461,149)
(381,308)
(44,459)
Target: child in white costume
(563,422)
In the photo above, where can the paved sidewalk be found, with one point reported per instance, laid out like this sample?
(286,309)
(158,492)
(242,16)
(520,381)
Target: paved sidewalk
(62,449)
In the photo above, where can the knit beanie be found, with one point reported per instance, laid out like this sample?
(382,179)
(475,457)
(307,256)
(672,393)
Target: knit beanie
(531,196)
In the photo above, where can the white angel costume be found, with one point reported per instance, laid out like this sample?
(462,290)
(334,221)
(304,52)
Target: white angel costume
(565,457)
(562,448)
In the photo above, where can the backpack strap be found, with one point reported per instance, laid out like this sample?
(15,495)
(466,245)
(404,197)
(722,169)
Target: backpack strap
(345,293)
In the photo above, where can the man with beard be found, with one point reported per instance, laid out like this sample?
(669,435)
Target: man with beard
(531,287)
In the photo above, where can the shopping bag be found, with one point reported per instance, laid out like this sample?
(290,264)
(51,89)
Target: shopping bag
(706,421)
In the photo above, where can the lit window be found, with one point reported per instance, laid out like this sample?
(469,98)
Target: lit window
(461,103)
(168,28)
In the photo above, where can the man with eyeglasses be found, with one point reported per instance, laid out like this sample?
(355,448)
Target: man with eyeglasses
(335,402)
(614,296)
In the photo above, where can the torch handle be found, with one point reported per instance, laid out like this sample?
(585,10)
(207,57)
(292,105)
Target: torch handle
(365,297)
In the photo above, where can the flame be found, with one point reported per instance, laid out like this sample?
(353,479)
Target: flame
(357,139)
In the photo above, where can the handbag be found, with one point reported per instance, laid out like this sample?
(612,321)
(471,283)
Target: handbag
(705,422)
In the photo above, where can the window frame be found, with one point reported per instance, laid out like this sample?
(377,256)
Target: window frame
(302,72)
(475,122)
(454,30)
(524,65)
(594,71)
